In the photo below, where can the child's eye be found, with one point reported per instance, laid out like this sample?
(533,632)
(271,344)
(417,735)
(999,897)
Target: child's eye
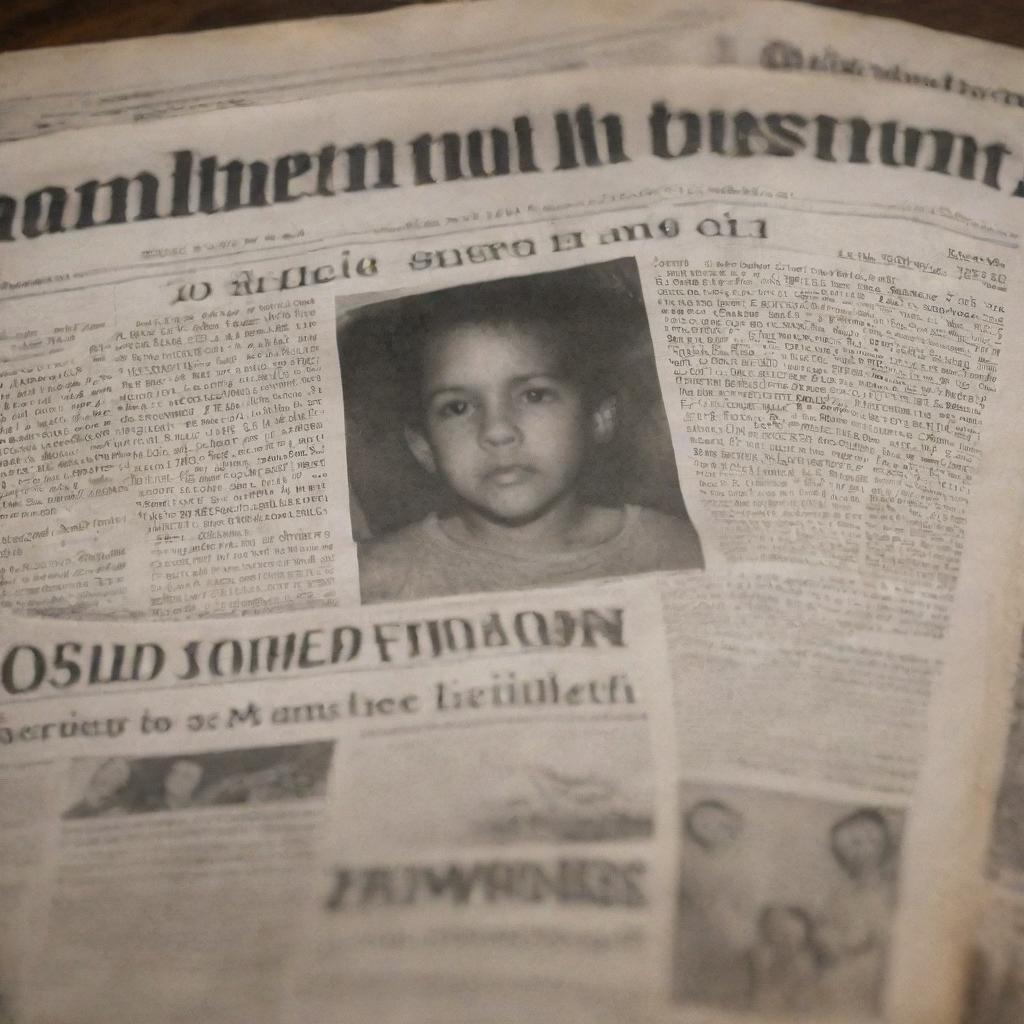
(453,407)
(536,395)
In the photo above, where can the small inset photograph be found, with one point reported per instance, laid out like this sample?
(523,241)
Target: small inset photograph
(507,784)
(509,434)
(784,904)
(140,785)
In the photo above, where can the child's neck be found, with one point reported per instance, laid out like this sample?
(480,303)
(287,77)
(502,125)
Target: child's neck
(565,525)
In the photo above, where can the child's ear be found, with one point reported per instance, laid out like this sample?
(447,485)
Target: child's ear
(420,448)
(605,417)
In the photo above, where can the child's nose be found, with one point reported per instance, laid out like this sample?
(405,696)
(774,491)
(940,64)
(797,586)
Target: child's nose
(499,427)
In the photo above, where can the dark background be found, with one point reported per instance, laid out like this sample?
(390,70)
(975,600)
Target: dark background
(28,23)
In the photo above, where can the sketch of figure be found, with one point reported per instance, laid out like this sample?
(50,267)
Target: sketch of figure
(854,926)
(785,963)
(567,807)
(716,910)
(109,791)
(561,791)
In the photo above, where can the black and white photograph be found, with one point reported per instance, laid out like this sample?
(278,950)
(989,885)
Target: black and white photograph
(139,785)
(509,434)
(784,903)
(507,784)
(1006,853)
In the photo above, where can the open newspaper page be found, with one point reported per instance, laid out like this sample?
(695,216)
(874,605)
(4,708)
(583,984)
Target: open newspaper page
(361,815)
(630,458)
(43,91)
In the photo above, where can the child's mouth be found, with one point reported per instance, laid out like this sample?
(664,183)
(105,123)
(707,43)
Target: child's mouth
(507,476)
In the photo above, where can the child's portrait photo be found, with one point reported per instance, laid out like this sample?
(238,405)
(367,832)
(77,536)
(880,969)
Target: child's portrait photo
(509,434)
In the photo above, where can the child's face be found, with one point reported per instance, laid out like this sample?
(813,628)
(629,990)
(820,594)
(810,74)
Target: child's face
(860,844)
(715,827)
(506,428)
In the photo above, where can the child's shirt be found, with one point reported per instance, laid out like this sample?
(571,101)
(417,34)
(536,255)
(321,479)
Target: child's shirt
(422,560)
(783,979)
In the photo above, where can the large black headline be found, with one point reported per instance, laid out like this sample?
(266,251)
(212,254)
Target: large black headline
(193,182)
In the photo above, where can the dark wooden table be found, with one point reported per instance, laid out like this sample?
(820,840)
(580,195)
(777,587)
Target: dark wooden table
(29,23)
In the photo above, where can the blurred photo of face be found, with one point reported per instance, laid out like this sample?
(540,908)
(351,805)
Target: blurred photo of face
(860,844)
(506,426)
(181,782)
(107,780)
(713,825)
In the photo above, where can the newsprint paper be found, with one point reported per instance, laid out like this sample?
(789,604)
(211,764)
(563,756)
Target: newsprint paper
(515,551)
(49,90)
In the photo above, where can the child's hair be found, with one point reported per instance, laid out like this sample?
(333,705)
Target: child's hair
(580,312)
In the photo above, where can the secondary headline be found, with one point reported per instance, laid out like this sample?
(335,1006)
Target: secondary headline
(29,668)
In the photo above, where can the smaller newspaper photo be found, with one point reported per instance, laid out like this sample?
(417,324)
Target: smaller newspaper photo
(512,512)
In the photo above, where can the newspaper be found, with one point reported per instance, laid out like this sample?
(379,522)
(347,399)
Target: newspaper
(224,842)
(477,553)
(48,90)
